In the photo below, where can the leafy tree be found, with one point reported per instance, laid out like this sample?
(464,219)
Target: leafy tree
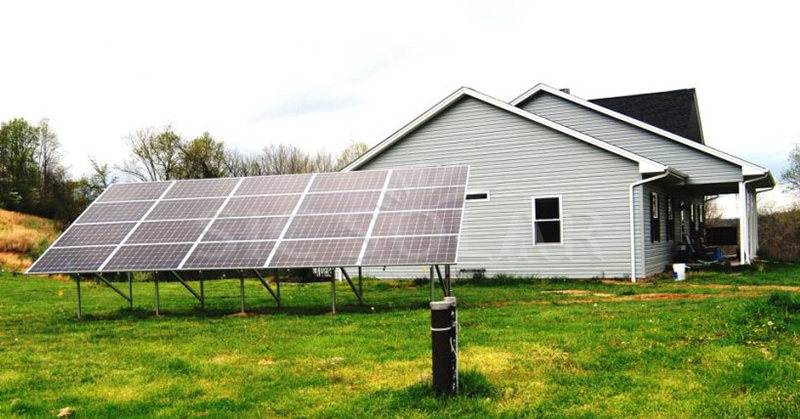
(792,174)
(19,172)
(203,157)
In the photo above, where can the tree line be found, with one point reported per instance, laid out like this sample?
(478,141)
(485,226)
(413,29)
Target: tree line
(34,180)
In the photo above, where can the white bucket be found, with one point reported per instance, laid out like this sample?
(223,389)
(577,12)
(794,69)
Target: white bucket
(679,271)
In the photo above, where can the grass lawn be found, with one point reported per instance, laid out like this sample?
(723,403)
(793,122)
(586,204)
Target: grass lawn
(715,346)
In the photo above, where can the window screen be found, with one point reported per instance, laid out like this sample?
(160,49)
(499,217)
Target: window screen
(670,220)
(547,220)
(655,220)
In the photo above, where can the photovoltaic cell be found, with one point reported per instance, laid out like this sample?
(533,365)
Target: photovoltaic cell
(71,260)
(114,212)
(260,206)
(317,253)
(329,226)
(429,177)
(348,181)
(423,199)
(94,234)
(229,255)
(338,202)
(185,208)
(147,257)
(417,222)
(167,231)
(226,229)
(410,250)
(134,191)
(202,188)
(273,185)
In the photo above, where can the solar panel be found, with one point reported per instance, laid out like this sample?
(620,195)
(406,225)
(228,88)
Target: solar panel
(202,188)
(94,234)
(185,208)
(230,255)
(371,218)
(121,211)
(237,229)
(134,191)
(167,232)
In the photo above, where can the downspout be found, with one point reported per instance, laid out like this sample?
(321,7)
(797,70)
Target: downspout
(633,222)
(744,221)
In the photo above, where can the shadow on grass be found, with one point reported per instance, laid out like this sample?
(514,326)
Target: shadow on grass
(140,313)
(475,399)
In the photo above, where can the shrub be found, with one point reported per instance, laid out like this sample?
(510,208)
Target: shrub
(777,235)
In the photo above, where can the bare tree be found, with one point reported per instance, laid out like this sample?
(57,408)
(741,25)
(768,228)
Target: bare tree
(154,155)
(48,154)
(712,212)
(792,174)
(285,159)
(323,162)
(350,154)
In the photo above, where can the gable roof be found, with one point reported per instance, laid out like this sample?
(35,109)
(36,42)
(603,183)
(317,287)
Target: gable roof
(645,165)
(675,111)
(748,169)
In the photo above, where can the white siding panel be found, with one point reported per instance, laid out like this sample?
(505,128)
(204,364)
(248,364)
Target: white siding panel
(516,159)
(701,167)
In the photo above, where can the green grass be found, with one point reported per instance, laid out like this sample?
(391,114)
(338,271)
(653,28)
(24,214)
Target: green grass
(539,348)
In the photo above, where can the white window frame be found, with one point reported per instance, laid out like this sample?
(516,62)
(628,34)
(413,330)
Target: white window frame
(488,195)
(560,219)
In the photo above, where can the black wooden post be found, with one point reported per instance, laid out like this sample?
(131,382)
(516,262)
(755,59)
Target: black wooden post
(444,343)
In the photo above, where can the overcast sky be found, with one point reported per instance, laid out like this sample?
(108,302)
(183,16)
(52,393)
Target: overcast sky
(325,74)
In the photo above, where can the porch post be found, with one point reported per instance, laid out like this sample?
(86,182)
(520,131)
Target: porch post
(744,227)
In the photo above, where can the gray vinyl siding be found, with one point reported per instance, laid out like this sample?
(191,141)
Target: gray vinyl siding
(516,159)
(702,168)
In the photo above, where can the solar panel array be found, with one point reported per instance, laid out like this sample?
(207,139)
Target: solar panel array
(369,218)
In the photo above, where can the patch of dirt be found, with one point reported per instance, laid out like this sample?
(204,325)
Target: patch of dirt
(790,288)
(567,292)
(637,297)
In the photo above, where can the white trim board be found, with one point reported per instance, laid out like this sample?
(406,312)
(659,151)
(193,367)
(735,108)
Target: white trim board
(645,165)
(748,169)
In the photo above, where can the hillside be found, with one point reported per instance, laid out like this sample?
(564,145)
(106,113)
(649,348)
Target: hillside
(23,238)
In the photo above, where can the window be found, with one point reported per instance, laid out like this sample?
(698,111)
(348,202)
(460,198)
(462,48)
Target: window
(683,220)
(670,220)
(547,220)
(692,218)
(655,222)
(477,196)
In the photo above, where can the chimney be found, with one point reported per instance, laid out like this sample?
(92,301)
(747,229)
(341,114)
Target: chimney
(565,90)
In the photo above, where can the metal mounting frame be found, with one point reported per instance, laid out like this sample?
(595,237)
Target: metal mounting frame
(276,296)
(199,297)
(357,292)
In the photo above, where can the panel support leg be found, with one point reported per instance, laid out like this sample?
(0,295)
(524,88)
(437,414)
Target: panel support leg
(333,294)
(278,285)
(130,290)
(433,283)
(352,286)
(202,296)
(158,299)
(449,280)
(185,285)
(360,289)
(241,293)
(266,285)
(441,280)
(78,283)
(113,287)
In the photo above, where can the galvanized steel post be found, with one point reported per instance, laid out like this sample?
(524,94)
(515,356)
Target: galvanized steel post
(78,282)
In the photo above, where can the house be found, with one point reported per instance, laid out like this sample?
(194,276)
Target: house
(562,186)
